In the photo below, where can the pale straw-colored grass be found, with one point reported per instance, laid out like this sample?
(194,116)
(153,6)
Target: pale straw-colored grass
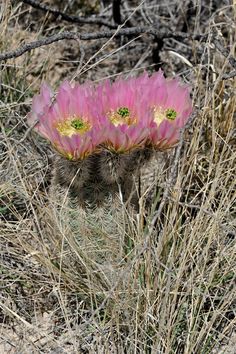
(105,281)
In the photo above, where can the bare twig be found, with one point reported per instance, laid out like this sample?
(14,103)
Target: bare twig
(229,75)
(70,18)
(95,35)
(193,206)
(225,53)
(36,44)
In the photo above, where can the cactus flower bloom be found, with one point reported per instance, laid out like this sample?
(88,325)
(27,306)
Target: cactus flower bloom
(68,121)
(170,107)
(120,116)
(127,118)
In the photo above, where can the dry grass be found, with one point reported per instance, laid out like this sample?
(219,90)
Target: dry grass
(104,281)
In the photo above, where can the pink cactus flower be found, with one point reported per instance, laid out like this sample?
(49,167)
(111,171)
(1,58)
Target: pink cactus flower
(143,111)
(123,106)
(69,121)
(170,107)
(119,116)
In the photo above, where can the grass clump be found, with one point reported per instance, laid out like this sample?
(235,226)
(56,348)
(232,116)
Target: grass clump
(110,279)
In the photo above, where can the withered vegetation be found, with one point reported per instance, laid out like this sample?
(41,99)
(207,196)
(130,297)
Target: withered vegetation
(111,280)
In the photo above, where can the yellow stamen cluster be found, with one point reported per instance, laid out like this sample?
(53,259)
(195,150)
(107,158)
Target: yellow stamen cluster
(161,114)
(121,116)
(171,114)
(72,126)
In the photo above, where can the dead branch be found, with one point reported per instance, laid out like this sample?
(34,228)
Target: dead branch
(36,44)
(230,75)
(69,18)
(90,36)
(225,53)
(159,34)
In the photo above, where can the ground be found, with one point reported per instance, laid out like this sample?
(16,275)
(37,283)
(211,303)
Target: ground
(111,279)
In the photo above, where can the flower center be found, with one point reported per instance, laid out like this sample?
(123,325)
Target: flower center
(171,114)
(160,114)
(121,116)
(73,126)
(123,112)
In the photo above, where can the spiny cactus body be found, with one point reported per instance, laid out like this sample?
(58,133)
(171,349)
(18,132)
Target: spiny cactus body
(92,181)
(106,132)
